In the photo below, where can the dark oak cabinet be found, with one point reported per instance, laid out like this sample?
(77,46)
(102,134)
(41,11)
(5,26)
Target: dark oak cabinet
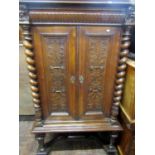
(76,53)
(75,65)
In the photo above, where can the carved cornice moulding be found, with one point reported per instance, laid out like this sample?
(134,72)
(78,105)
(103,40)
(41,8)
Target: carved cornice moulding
(23,14)
(130,17)
(115,16)
(76,17)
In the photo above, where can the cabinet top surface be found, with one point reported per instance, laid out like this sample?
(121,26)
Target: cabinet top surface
(80,1)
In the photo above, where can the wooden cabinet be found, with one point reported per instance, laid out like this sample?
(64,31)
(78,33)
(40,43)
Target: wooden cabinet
(76,57)
(127,112)
(73,65)
(128,101)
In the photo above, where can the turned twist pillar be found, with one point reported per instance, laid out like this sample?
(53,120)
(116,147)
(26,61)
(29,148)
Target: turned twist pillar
(32,73)
(121,71)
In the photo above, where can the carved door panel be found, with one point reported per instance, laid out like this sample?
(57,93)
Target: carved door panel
(98,56)
(55,58)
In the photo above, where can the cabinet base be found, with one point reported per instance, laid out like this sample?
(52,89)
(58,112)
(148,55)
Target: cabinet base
(78,126)
(46,148)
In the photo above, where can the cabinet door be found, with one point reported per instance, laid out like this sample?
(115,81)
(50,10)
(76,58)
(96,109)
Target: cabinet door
(54,48)
(98,56)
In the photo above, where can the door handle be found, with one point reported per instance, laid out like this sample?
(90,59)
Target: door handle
(72,79)
(81,79)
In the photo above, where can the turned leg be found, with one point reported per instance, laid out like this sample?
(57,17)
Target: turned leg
(41,148)
(111,149)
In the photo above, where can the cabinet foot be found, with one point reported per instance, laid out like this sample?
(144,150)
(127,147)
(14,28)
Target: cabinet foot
(111,149)
(45,148)
(42,150)
(42,153)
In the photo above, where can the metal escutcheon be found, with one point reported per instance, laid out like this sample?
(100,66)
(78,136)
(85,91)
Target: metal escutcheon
(81,79)
(72,79)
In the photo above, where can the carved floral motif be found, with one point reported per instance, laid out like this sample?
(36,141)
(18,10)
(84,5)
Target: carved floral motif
(57,69)
(97,55)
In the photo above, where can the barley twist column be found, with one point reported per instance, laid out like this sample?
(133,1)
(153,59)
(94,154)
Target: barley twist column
(120,76)
(32,73)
